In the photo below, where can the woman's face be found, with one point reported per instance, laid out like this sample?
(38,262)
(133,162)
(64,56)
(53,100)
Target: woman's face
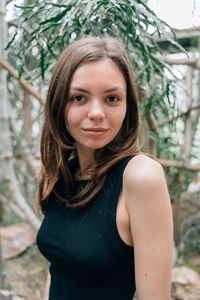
(97,104)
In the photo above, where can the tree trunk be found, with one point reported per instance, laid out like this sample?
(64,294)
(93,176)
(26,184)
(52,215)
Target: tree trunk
(8,173)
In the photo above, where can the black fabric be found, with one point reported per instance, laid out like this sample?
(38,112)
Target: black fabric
(89,260)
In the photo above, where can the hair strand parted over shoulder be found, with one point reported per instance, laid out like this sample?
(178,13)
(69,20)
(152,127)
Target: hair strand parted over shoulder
(57,146)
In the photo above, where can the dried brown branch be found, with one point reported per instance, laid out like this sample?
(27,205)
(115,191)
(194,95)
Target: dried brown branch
(151,122)
(179,165)
(26,29)
(197,106)
(22,81)
(8,1)
(153,126)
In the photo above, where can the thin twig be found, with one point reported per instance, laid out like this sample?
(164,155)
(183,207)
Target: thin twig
(197,106)
(28,30)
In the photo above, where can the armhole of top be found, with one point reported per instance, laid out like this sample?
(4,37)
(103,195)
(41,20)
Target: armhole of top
(117,181)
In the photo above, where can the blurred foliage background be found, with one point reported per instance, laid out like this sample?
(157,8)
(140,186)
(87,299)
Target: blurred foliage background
(166,63)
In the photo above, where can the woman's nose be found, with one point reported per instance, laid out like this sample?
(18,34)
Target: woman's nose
(96,111)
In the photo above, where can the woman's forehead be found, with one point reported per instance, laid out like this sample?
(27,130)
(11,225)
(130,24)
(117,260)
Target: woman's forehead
(102,71)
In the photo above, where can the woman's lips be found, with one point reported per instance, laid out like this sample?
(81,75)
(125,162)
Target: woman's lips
(95,131)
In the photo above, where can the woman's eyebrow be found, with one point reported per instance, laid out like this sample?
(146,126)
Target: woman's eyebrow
(79,89)
(112,89)
(115,88)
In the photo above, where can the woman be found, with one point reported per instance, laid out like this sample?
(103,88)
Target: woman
(107,229)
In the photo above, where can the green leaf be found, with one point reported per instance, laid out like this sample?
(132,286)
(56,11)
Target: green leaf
(56,4)
(48,27)
(29,7)
(57,18)
(11,41)
(42,61)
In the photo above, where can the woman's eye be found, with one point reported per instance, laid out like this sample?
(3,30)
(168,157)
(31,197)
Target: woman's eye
(112,99)
(78,98)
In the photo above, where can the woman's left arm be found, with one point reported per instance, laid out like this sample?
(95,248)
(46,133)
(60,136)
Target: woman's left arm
(151,222)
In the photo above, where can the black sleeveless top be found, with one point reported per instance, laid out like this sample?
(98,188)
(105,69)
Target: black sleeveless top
(89,260)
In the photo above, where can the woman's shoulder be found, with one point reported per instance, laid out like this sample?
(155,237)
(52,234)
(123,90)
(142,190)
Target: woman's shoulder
(144,186)
(142,170)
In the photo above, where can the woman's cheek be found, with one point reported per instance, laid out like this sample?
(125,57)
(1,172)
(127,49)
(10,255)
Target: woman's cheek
(70,117)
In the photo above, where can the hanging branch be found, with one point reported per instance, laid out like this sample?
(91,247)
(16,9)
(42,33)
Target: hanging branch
(197,106)
(22,81)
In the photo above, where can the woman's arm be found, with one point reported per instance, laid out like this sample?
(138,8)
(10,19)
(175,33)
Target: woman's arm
(149,209)
(46,290)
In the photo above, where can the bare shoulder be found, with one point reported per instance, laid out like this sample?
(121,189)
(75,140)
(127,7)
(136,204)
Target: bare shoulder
(141,170)
(144,182)
(146,194)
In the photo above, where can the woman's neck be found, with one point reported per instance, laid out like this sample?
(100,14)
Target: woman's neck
(85,157)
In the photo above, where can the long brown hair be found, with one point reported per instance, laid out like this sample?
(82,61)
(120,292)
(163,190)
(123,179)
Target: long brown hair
(57,145)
